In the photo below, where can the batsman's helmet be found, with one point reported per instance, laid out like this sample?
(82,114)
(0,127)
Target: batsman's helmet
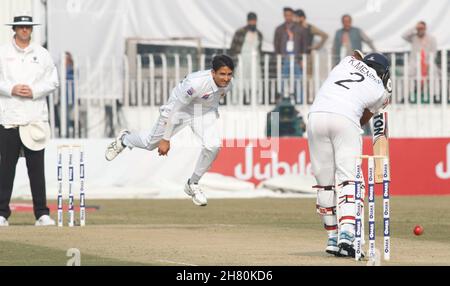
(380,64)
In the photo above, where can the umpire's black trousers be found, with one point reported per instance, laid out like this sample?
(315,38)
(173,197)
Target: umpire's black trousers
(10,145)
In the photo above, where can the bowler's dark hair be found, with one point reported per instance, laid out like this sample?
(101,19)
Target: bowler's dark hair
(288,9)
(222,61)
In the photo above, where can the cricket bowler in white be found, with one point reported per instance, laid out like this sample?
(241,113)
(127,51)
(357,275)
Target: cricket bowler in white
(198,95)
(355,89)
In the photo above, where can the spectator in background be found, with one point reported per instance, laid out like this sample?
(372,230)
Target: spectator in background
(348,39)
(290,39)
(247,42)
(311,31)
(70,95)
(247,38)
(70,99)
(424,45)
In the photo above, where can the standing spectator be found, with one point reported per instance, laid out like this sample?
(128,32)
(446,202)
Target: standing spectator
(424,45)
(290,39)
(247,42)
(70,99)
(70,95)
(311,31)
(349,39)
(27,76)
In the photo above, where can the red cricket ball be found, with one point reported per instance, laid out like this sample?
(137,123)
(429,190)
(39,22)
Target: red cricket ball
(418,230)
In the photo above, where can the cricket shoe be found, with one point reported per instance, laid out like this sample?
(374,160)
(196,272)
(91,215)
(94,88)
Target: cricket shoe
(198,197)
(332,246)
(115,147)
(346,248)
(3,221)
(45,220)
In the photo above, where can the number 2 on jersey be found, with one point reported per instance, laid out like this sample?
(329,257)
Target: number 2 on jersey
(341,82)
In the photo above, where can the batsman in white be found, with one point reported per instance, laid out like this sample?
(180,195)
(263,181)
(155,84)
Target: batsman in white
(355,89)
(193,102)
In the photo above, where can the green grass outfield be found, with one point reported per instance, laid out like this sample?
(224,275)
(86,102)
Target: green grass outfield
(226,232)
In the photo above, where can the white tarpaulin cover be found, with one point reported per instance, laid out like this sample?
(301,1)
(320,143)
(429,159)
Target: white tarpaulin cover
(99,28)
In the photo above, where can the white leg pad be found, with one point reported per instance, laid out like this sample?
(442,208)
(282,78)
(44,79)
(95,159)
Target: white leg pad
(326,208)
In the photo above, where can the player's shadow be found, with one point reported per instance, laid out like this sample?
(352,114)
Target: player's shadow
(312,254)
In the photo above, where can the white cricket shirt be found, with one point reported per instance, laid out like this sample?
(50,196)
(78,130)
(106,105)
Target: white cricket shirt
(351,87)
(32,66)
(196,91)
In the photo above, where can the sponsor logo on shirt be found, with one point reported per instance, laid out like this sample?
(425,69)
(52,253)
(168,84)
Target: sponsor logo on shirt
(190,91)
(206,96)
(35,60)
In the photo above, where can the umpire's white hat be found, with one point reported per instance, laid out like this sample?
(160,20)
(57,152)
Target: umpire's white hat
(35,135)
(24,20)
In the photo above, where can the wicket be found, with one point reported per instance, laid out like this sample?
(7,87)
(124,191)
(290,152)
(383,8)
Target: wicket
(359,232)
(71,212)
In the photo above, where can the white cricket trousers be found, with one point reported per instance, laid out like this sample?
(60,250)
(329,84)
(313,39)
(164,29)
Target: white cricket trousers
(205,127)
(335,143)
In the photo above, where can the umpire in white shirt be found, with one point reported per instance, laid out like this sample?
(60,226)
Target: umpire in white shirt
(27,76)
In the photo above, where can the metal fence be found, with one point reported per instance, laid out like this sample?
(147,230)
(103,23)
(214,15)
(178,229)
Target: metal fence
(259,82)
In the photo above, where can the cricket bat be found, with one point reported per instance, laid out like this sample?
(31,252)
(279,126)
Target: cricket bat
(380,142)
